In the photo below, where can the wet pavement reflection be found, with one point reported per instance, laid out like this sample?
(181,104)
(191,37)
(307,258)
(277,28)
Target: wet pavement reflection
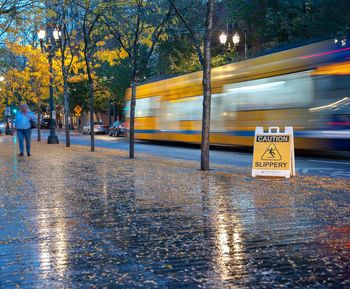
(70,218)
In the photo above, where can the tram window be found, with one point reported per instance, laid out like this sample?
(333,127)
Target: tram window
(330,89)
(216,107)
(184,109)
(333,96)
(290,90)
(147,106)
(229,105)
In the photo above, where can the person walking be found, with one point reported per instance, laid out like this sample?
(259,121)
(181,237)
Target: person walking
(23,126)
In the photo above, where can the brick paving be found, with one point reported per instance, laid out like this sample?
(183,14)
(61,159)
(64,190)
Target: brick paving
(71,218)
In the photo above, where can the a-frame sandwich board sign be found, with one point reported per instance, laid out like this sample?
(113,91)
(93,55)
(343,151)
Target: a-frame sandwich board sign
(274,152)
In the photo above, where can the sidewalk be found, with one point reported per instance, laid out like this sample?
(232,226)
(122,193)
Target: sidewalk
(71,218)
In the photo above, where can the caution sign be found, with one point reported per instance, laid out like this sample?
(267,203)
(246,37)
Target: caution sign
(78,109)
(273,152)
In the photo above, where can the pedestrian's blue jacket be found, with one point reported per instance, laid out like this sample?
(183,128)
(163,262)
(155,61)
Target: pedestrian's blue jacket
(23,119)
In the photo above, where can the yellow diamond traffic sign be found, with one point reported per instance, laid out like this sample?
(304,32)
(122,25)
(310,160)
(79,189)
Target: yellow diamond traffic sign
(78,109)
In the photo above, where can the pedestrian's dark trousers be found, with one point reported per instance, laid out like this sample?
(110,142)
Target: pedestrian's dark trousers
(24,134)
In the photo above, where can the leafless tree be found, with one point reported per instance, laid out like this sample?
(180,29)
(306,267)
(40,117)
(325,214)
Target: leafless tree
(88,15)
(205,60)
(68,48)
(11,13)
(130,24)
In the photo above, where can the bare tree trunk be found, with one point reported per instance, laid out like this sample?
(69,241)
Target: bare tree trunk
(133,90)
(207,87)
(66,106)
(205,60)
(62,46)
(132,117)
(91,96)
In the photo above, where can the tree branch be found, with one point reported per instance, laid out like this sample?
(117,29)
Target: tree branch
(192,32)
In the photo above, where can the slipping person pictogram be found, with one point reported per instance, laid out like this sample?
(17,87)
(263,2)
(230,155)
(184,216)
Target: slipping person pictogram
(271,153)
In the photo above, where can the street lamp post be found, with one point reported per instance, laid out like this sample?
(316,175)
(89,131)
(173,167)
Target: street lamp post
(224,38)
(245,45)
(52,139)
(235,40)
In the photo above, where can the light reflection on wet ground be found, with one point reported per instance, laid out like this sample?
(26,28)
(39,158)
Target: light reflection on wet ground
(70,218)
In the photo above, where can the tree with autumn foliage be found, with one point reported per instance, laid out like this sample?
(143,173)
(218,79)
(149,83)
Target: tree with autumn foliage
(21,85)
(32,82)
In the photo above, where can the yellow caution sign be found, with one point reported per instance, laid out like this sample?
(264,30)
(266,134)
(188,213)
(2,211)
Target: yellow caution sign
(273,152)
(78,109)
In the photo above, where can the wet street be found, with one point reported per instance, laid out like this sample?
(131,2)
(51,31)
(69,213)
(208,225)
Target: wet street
(71,218)
(330,164)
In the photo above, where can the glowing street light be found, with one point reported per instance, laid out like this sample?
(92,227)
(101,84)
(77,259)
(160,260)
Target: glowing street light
(236,38)
(56,34)
(223,38)
(52,139)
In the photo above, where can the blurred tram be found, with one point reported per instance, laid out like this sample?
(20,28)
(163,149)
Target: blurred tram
(306,87)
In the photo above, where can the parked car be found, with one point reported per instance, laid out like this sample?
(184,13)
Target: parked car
(118,129)
(99,128)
